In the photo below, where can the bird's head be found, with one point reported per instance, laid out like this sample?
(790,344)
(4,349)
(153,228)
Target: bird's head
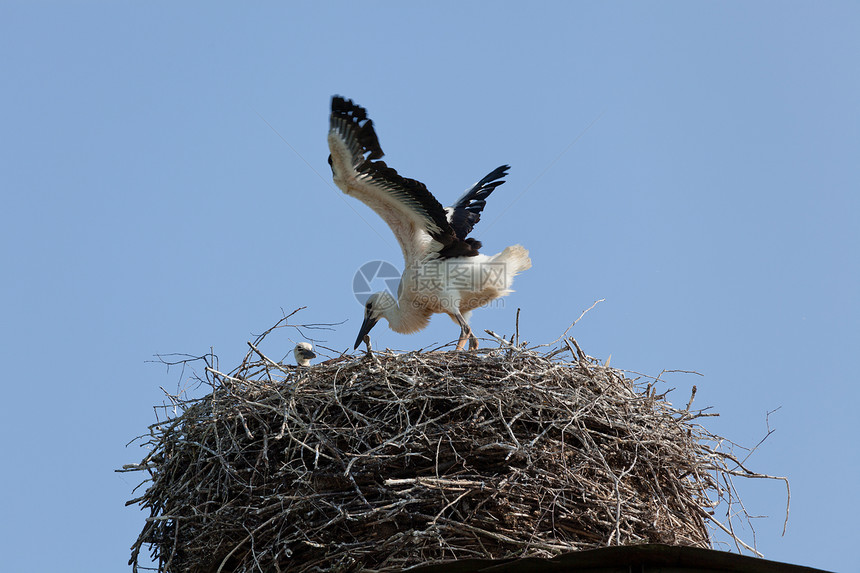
(303,353)
(377,306)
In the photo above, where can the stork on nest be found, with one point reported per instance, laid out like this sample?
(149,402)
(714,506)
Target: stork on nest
(444,272)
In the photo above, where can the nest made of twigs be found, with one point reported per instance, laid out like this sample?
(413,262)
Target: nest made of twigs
(392,460)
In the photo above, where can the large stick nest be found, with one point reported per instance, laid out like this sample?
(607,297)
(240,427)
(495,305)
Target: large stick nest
(391,460)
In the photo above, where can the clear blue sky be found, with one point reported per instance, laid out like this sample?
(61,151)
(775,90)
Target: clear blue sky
(149,208)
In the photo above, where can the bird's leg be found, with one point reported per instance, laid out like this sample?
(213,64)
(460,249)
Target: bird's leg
(461,344)
(473,341)
(465,334)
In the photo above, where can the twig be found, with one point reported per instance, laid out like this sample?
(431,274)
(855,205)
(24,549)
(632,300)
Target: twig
(566,330)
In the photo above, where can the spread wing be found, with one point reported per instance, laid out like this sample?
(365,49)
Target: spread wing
(416,218)
(466,212)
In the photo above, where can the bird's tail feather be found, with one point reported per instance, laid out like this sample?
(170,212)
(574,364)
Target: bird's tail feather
(517,259)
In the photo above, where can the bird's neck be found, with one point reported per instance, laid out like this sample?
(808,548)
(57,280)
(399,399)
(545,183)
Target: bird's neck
(405,317)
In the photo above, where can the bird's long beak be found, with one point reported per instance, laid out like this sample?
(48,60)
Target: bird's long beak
(365,328)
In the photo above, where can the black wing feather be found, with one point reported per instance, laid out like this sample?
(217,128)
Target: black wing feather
(466,213)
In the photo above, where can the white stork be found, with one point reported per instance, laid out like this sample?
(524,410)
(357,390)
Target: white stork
(303,353)
(443,270)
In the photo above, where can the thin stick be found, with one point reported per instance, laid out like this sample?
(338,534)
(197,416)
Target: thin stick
(566,330)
